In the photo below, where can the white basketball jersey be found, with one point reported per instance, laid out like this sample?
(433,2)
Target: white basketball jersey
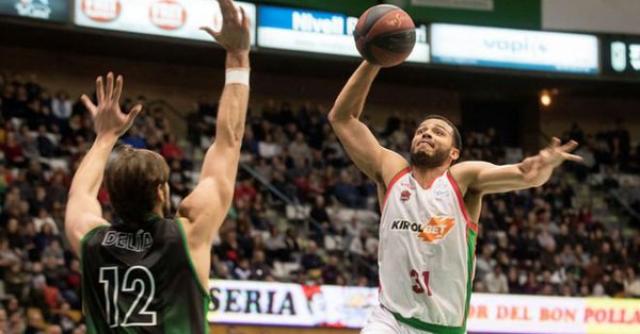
(426,254)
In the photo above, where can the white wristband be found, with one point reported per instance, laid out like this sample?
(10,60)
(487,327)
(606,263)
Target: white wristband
(237,76)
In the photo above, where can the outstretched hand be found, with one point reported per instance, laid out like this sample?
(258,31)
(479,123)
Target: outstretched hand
(234,35)
(108,119)
(550,157)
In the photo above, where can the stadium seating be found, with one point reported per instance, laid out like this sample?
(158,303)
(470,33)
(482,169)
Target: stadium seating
(302,213)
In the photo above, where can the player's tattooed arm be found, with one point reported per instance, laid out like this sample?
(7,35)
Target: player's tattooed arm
(485,178)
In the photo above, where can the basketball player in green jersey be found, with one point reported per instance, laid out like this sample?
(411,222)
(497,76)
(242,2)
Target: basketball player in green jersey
(144,272)
(430,211)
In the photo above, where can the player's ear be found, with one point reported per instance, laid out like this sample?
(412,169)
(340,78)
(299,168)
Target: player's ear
(454,154)
(160,192)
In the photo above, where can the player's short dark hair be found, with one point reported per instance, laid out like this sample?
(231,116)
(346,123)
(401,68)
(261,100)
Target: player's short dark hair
(457,138)
(132,178)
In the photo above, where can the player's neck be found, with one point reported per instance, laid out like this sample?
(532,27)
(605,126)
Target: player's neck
(426,176)
(158,211)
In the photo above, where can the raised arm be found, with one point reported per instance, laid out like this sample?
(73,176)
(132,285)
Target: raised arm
(485,178)
(377,162)
(83,211)
(205,208)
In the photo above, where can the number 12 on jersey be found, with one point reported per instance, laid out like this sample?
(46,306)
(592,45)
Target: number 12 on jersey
(137,281)
(419,287)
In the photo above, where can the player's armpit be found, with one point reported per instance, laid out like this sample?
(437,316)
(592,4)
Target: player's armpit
(205,209)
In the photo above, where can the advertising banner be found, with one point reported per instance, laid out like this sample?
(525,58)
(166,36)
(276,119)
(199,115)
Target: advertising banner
(169,18)
(48,10)
(611,316)
(526,314)
(621,56)
(355,8)
(264,303)
(608,16)
(319,32)
(552,315)
(519,14)
(514,49)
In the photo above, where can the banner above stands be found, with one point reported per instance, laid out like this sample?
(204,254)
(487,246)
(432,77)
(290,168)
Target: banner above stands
(621,56)
(591,16)
(263,303)
(175,18)
(47,10)
(319,32)
(520,14)
(514,49)
(330,33)
(349,7)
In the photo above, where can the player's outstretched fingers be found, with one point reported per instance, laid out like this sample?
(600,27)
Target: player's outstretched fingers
(89,105)
(100,89)
(211,32)
(118,89)
(109,88)
(570,146)
(244,19)
(228,11)
(572,157)
(131,117)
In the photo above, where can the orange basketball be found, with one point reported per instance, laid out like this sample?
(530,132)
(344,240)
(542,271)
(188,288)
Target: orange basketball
(385,35)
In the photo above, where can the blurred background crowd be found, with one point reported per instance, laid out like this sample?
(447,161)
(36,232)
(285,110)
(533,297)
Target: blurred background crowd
(302,212)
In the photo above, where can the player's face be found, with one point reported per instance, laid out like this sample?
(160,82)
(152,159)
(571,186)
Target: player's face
(432,144)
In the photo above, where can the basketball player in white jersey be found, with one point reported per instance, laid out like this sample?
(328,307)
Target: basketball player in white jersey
(430,210)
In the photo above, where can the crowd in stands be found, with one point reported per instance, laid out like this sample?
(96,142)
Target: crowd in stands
(301,213)
(43,136)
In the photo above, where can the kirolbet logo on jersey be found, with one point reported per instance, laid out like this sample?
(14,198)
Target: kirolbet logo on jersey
(405,225)
(102,10)
(435,230)
(168,14)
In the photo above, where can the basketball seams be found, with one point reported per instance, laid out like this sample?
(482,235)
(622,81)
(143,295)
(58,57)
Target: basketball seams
(372,16)
(384,39)
(379,24)
(383,56)
(367,52)
(359,31)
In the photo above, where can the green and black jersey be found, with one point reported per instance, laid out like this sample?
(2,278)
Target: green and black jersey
(141,280)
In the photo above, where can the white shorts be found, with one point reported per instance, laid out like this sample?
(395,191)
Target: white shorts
(381,321)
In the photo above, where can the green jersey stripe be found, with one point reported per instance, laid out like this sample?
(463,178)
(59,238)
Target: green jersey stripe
(471,250)
(435,329)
